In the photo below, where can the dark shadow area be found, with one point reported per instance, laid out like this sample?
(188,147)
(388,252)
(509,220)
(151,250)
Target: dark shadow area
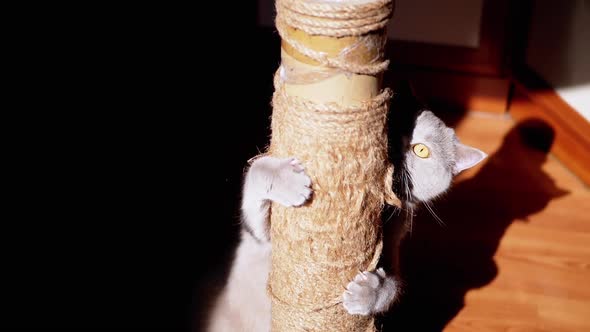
(131,204)
(440,264)
(410,97)
(248,128)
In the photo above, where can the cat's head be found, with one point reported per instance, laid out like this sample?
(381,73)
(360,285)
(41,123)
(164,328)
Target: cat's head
(432,156)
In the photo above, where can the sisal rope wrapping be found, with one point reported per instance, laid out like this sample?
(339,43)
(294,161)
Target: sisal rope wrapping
(318,248)
(334,19)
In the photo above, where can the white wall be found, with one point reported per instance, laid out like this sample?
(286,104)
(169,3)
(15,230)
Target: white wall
(559,49)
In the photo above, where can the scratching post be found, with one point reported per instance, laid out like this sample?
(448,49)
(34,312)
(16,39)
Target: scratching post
(329,111)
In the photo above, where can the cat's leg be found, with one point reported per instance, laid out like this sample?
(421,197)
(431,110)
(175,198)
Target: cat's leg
(281,180)
(370,293)
(244,304)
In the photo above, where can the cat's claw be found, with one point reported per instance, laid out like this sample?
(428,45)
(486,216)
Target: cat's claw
(297,167)
(289,185)
(369,293)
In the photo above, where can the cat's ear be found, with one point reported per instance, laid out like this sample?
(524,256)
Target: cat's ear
(467,157)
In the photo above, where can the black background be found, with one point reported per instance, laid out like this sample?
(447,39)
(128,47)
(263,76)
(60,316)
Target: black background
(123,184)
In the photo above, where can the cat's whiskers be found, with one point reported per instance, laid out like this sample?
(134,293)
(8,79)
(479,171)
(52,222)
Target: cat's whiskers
(391,215)
(410,178)
(409,208)
(436,217)
(405,180)
(411,217)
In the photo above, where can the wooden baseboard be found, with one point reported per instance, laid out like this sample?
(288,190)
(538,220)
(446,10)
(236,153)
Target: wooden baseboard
(534,98)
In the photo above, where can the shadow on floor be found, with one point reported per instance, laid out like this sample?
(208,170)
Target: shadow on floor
(440,264)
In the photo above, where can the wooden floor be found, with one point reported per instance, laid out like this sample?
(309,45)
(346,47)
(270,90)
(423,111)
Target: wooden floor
(514,254)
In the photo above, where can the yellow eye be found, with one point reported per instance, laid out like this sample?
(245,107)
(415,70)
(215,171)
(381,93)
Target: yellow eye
(421,150)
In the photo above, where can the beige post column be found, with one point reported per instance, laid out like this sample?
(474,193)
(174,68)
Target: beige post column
(329,111)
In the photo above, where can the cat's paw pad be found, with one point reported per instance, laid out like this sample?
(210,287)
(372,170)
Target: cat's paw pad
(289,186)
(369,293)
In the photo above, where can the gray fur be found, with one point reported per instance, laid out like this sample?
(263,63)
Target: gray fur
(431,177)
(244,304)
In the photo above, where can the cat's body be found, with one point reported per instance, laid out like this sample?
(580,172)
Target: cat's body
(244,304)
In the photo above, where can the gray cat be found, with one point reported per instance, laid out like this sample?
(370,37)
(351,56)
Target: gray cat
(424,171)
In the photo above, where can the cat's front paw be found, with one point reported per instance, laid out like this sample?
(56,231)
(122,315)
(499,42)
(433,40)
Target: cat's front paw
(369,293)
(288,184)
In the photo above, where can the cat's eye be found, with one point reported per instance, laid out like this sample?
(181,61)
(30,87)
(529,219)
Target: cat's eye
(421,150)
